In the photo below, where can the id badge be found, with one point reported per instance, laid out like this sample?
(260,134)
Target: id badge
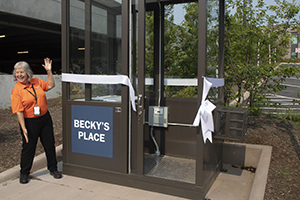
(37,111)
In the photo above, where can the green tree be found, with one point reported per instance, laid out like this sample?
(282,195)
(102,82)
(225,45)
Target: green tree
(255,43)
(184,46)
(172,49)
(188,43)
(149,44)
(181,47)
(170,40)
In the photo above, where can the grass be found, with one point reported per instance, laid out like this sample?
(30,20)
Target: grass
(289,115)
(284,170)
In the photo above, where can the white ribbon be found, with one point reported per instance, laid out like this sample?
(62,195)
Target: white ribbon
(205,110)
(101,79)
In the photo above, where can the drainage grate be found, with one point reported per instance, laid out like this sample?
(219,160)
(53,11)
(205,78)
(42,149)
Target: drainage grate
(173,168)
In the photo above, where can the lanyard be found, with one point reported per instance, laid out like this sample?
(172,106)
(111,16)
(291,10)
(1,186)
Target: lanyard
(34,95)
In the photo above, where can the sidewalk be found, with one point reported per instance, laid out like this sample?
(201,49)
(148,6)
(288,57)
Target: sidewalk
(233,185)
(43,186)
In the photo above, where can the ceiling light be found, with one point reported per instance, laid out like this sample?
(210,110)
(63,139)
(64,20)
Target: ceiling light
(2,36)
(22,52)
(81,48)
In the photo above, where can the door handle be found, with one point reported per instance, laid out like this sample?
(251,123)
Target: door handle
(140,100)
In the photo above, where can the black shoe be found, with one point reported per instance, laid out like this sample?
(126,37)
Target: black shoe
(56,174)
(24,178)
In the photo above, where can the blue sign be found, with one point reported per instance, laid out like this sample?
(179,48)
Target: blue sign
(92,130)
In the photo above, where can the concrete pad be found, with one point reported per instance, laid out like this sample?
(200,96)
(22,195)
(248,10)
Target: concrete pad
(43,186)
(37,189)
(235,184)
(238,184)
(261,174)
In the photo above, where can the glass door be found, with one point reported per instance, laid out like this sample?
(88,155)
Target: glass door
(96,111)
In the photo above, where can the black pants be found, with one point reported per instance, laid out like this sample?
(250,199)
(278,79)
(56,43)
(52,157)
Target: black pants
(41,127)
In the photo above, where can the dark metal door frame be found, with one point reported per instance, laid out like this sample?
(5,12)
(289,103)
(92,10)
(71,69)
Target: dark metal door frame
(123,124)
(141,86)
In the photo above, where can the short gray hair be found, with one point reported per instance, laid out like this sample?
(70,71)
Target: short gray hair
(26,67)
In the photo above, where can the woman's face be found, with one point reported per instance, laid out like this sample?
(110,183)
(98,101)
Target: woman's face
(21,76)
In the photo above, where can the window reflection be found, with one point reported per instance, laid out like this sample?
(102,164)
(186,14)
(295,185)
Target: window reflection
(181,51)
(77,90)
(106,47)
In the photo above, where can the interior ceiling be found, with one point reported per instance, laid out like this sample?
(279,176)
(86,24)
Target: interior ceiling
(41,39)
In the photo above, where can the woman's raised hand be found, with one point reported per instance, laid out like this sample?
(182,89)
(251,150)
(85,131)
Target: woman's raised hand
(48,64)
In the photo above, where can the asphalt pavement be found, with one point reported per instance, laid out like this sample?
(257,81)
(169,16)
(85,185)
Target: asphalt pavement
(285,97)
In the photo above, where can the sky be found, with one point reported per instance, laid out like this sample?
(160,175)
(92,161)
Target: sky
(180,12)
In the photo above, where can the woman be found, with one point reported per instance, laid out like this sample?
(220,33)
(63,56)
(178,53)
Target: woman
(28,101)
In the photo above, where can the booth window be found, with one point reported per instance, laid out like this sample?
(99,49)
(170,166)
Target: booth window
(212,46)
(77,47)
(106,23)
(102,36)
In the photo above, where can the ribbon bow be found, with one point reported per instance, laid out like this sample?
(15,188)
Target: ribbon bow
(205,110)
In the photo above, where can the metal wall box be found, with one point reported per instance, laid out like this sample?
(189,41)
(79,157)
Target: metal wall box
(158,116)
(230,123)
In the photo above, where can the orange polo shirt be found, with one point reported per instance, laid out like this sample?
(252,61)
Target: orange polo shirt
(23,101)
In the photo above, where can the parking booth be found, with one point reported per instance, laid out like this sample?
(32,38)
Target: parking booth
(119,124)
